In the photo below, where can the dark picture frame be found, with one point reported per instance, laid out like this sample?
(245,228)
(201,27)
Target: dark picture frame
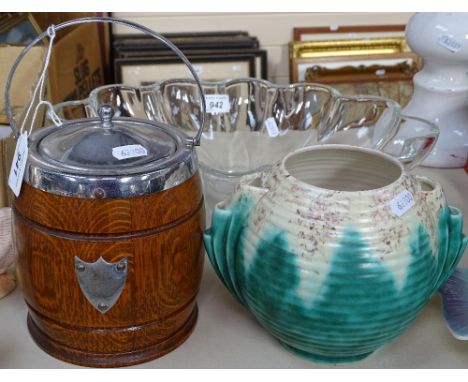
(186,41)
(242,64)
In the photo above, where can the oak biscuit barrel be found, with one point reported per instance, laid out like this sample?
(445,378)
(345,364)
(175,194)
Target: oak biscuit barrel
(109,244)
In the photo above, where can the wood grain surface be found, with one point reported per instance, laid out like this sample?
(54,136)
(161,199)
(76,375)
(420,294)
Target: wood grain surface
(160,235)
(100,216)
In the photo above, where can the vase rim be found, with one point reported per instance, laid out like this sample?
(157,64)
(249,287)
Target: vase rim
(288,176)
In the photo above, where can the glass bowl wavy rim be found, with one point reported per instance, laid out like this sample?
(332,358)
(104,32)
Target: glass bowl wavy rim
(397,113)
(92,98)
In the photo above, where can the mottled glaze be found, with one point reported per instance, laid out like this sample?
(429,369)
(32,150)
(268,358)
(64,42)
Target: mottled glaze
(315,252)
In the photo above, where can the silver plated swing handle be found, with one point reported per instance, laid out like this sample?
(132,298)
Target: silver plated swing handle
(195,141)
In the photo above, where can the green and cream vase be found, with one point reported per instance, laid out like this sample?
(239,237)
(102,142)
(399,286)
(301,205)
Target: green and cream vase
(336,250)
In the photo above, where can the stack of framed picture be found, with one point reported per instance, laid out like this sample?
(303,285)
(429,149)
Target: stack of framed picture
(356,59)
(141,60)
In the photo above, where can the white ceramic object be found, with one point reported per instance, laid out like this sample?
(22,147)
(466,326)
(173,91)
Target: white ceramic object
(441,87)
(336,250)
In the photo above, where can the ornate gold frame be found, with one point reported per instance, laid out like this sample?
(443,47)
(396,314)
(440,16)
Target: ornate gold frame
(335,48)
(380,66)
(351,31)
(317,52)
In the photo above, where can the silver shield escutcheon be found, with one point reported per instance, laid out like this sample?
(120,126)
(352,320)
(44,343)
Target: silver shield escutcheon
(101,282)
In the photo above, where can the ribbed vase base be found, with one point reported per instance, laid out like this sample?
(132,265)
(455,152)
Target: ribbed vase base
(325,359)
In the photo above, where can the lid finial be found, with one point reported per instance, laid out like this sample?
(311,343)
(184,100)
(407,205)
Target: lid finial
(106,112)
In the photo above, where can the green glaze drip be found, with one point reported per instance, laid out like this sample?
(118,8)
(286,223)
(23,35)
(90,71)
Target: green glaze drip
(358,307)
(274,266)
(452,244)
(222,242)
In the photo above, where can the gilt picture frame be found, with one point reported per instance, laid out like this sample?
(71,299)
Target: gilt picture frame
(305,54)
(338,32)
(378,66)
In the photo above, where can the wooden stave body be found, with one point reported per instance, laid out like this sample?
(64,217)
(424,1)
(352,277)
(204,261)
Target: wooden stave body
(160,234)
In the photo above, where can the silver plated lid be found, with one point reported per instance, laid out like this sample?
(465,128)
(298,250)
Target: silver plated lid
(109,157)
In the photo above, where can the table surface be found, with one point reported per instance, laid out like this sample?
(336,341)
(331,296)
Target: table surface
(228,336)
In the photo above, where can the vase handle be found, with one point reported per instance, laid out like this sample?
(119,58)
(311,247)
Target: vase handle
(451,242)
